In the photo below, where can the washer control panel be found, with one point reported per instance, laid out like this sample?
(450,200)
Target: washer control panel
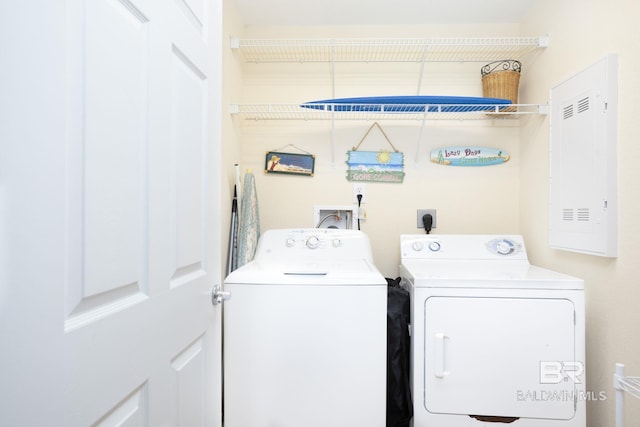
(318,243)
(462,247)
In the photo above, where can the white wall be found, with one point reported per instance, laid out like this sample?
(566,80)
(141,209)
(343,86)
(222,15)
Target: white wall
(582,32)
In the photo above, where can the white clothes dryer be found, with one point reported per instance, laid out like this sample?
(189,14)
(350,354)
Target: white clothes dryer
(495,340)
(305,333)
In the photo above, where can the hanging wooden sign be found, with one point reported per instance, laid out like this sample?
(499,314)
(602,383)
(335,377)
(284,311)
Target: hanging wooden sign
(375,166)
(469,156)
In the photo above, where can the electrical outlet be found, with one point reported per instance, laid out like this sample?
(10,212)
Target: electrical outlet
(423,212)
(359,188)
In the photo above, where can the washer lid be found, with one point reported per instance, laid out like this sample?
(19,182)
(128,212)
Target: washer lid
(311,272)
(480,274)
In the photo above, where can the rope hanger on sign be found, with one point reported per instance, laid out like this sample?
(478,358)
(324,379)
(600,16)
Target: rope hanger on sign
(293,146)
(375,124)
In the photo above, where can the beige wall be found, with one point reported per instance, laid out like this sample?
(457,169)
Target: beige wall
(467,200)
(510,198)
(231,144)
(582,32)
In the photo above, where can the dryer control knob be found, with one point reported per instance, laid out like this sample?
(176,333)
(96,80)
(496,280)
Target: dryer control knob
(505,247)
(417,245)
(313,242)
(290,242)
(434,246)
(337,243)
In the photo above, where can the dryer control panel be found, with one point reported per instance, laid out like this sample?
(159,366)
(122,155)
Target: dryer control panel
(462,247)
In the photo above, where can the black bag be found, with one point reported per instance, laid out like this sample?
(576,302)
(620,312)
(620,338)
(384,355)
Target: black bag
(399,404)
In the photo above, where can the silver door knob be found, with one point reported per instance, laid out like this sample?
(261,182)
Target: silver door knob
(218,295)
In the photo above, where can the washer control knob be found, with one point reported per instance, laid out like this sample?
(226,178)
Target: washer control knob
(290,242)
(417,245)
(434,246)
(313,242)
(337,243)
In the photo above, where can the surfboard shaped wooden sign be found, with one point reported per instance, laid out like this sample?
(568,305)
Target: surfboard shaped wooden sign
(469,156)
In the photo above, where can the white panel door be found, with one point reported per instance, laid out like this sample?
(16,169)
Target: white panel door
(142,340)
(32,159)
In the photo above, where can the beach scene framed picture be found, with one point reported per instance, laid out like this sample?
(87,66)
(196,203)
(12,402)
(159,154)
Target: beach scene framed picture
(289,163)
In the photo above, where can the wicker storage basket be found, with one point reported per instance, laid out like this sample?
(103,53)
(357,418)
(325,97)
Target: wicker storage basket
(501,79)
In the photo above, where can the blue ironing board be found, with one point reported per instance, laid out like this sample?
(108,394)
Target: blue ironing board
(407,104)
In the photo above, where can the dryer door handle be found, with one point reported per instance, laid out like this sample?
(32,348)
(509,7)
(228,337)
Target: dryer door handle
(439,349)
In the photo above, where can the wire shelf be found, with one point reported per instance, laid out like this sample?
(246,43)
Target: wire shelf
(383,112)
(478,49)
(630,385)
(624,384)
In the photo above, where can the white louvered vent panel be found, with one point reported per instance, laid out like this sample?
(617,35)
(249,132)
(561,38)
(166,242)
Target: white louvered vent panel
(583,214)
(568,112)
(583,105)
(567,214)
(580,214)
(582,192)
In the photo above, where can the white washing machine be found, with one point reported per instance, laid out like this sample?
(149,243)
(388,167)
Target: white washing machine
(495,340)
(305,333)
